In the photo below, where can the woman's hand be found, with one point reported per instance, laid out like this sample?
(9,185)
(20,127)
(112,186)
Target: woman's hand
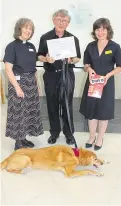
(39,91)
(91,73)
(106,78)
(19,92)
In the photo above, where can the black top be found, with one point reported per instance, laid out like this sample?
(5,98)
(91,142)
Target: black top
(22,55)
(43,49)
(104,63)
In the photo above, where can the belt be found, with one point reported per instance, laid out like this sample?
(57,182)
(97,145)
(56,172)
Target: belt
(59,70)
(54,70)
(19,74)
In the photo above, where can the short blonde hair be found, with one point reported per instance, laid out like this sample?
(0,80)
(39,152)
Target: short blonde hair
(20,24)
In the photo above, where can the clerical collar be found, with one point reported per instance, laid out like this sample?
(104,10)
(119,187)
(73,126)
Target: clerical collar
(22,41)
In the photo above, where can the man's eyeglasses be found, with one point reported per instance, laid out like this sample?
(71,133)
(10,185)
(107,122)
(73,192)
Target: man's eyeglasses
(62,21)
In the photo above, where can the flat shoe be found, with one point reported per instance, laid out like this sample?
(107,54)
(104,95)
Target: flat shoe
(52,139)
(19,146)
(27,143)
(70,140)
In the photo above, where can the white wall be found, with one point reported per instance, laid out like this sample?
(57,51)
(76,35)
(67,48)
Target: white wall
(1,12)
(41,11)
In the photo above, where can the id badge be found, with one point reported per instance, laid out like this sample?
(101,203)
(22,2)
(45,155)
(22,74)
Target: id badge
(31,50)
(17,77)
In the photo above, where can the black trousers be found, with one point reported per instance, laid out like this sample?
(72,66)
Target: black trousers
(52,90)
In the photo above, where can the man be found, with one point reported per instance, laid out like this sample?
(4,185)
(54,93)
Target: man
(52,77)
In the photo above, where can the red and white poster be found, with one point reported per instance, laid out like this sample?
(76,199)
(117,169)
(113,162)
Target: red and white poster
(96,86)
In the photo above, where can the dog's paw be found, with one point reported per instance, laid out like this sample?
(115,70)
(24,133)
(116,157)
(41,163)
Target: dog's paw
(100,174)
(23,173)
(90,173)
(106,162)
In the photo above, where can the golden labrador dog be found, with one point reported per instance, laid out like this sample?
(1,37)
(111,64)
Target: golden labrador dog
(57,157)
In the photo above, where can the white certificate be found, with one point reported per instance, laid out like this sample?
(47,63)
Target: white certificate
(62,48)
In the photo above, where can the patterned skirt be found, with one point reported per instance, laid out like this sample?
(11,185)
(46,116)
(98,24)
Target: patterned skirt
(23,115)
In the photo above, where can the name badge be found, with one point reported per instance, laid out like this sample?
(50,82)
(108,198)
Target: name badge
(108,52)
(31,50)
(17,77)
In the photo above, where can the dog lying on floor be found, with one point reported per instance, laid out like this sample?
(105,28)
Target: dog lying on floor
(57,157)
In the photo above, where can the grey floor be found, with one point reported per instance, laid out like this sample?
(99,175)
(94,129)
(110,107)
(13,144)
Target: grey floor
(80,123)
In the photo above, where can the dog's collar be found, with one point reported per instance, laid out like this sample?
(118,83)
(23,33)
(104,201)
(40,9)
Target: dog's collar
(76,151)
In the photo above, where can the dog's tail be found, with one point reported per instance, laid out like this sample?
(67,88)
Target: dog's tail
(3,164)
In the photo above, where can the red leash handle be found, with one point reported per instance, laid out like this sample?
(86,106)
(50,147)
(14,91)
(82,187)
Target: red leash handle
(76,151)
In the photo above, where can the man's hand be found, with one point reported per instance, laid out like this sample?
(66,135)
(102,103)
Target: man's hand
(70,60)
(73,60)
(49,59)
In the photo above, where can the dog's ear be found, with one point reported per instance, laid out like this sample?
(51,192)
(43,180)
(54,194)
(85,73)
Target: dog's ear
(86,153)
(84,156)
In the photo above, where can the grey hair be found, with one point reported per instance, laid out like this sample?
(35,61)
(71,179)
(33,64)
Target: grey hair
(63,13)
(20,24)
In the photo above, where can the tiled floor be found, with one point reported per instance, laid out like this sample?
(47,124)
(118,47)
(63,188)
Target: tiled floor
(39,187)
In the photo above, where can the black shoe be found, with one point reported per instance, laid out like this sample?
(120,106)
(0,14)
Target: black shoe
(88,145)
(70,140)
(96,147)
(27,143)
(19,145)
(52,139)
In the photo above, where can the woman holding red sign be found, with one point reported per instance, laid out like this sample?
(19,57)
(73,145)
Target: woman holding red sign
(100,57)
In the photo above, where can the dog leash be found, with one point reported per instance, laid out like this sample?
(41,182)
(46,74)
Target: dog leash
(64,93)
